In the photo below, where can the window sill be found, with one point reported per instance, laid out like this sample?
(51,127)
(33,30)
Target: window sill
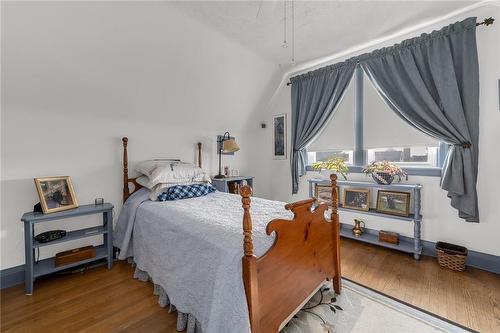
(427,172)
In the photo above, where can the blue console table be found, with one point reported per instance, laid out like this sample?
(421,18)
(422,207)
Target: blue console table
(409,245)
(47,266)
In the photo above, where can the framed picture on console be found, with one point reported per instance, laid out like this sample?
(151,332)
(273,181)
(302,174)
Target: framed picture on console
(393,203)
(323,194)
(279,136)
(358,199)
(56,194)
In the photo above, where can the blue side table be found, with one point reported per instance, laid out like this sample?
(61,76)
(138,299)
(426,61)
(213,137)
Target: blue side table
(47,266)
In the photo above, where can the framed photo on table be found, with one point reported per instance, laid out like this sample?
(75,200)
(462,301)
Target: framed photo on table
(323,194)
(358,199)
(393,203)
(279,137)
(56,194)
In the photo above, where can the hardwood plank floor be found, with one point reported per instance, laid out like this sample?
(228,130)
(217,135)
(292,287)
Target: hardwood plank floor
(112,301)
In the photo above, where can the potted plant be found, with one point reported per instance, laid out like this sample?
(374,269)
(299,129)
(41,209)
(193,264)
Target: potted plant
(383,172)
(335,164)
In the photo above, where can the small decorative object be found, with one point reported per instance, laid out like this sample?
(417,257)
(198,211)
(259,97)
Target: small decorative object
(235,173)
(225,145)
(388,237)
(358,199)
(393,202)
(359,227)
(233,187)
(56,194)
(335,164)
(383,172)
(75,255)
(279,134)
(323,194)
(451,256)
(99,201)
(226,171)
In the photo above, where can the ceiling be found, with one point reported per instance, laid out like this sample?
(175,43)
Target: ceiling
(322,28)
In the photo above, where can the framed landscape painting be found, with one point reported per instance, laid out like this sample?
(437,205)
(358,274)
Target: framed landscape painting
(393,202)
(279,137)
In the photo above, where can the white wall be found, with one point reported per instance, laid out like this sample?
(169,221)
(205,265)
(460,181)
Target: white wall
(78,76)
(441,221)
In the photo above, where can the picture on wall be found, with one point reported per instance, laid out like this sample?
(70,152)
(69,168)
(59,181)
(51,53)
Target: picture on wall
(279,134)
(56,194)
(393,202)
(323,194)
(358,199)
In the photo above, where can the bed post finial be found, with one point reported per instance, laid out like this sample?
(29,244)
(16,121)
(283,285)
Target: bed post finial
(199,154)
(246,192)
(126,191)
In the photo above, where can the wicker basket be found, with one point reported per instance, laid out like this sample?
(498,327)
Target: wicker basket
(451,256)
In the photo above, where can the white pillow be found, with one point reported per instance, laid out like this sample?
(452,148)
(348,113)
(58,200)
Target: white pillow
(144,181)
(167,171)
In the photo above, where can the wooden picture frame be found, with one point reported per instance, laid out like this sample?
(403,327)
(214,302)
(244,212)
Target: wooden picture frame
(323,194)
(357,199)
(56,194)
(385,207)
(279,136)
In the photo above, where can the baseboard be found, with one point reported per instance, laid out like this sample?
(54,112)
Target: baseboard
(484,261)
(11,276)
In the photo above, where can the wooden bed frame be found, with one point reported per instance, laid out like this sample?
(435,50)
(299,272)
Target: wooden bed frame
(306,251)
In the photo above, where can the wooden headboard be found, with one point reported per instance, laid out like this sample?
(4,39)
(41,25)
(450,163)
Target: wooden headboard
(127,181)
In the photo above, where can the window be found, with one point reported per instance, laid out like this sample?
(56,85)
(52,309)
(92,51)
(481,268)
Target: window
(336,139)
(371,131)
(320,156)
(406,156)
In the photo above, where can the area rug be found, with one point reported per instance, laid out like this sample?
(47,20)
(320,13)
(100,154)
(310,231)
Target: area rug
(361,310)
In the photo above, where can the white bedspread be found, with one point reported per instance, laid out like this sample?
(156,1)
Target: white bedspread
(193,249)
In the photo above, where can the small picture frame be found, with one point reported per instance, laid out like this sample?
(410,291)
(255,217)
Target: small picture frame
(235,173)
(279,137)
(56,194)
(358,199)
(323,194)
(393,203)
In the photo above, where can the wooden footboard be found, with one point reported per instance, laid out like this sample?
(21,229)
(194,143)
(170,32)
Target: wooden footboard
(305,253)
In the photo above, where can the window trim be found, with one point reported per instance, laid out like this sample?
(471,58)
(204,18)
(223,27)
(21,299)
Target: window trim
(361,154)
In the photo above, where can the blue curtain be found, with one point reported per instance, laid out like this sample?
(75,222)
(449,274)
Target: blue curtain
(315,96)
(432,82)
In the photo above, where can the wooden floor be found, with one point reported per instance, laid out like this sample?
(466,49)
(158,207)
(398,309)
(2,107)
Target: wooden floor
(112,301)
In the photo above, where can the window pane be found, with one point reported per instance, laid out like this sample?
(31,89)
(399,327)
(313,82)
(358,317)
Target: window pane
(338,134)
(384,128)
(406,156)
(321,156)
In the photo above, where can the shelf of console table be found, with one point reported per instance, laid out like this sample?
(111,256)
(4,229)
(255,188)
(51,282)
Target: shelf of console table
(406,244)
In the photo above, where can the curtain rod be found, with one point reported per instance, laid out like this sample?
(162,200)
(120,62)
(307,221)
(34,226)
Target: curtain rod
(487,21)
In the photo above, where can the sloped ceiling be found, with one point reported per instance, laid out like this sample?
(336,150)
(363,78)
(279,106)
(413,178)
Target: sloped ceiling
(321,27)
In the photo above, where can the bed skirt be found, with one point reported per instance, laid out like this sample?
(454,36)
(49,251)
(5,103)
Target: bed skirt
(185,321)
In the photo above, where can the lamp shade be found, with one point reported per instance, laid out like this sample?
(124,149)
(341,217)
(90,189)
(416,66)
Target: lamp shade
(230,146)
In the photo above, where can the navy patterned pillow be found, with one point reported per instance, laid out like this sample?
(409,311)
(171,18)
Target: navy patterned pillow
(186,191)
